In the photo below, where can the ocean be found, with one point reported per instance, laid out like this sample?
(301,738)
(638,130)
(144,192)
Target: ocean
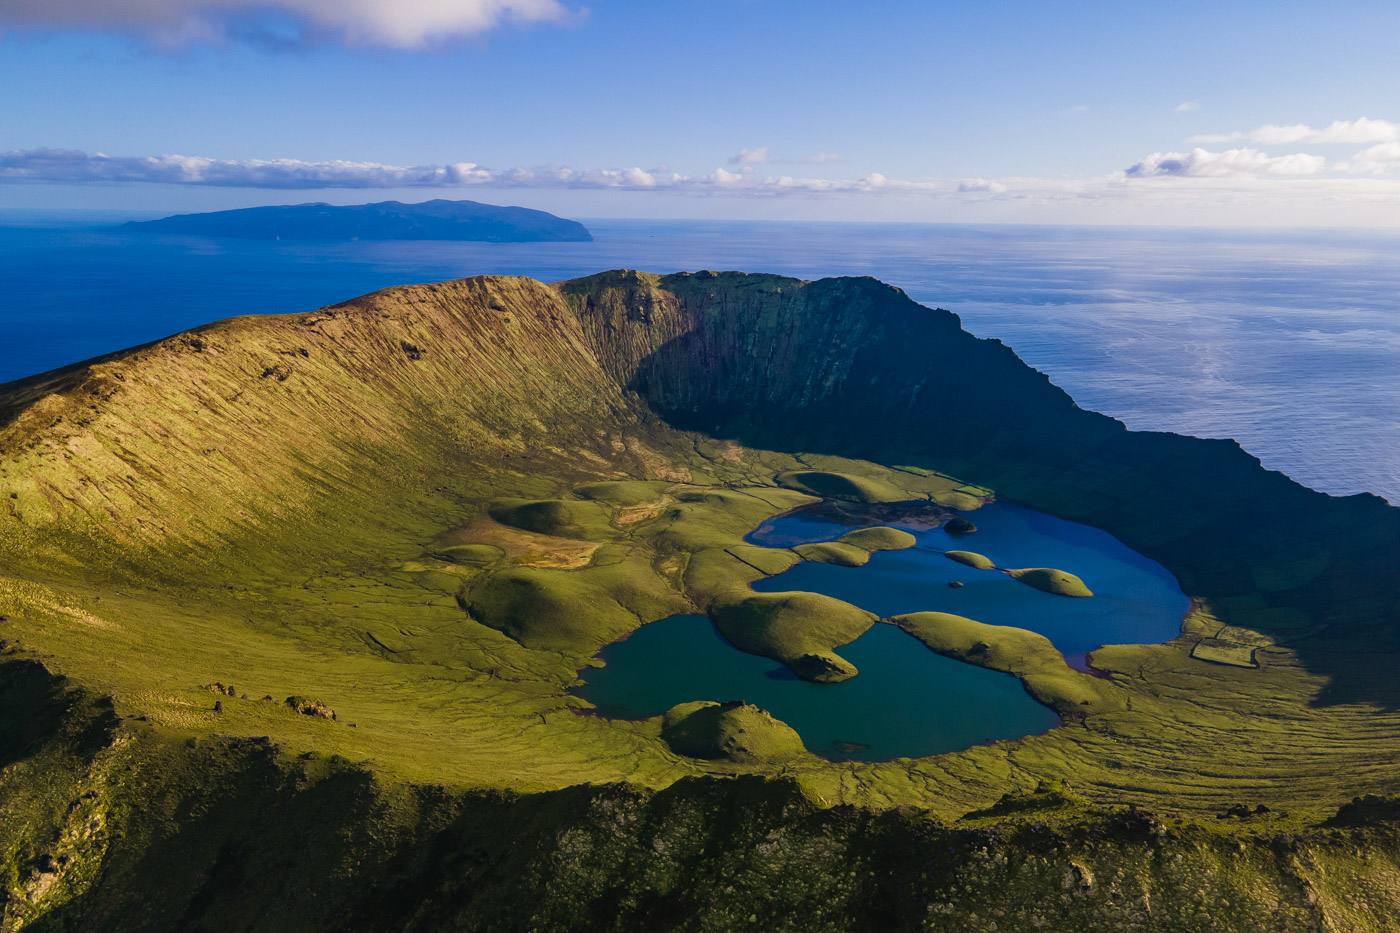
(1287,341)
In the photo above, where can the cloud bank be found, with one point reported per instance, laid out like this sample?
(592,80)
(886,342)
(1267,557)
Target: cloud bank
(1200,163)
(1237,185)
(1380,157)
(1374,160)
(1354,132)
(394,23)
(67,166)
(73,167)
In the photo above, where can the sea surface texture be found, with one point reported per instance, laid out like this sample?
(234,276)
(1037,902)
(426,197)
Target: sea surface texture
(1288,342)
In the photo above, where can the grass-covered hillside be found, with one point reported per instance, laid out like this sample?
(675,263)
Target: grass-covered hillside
(291,607)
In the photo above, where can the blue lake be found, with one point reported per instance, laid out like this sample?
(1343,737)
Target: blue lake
(906,701)
(1136,601)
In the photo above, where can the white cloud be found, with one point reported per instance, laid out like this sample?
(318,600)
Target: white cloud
(1079,108)
(722,178)
(70,166)
(750,156)
(1200,163)
(1355,132)
(1373,160)
(1187,105)
(66,166)
(982,185)
(397,23)
(638,178)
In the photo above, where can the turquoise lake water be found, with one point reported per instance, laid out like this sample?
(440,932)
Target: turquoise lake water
(906,701)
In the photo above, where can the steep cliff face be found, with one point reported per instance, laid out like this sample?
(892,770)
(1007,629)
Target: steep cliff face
(185,437)
(426,508)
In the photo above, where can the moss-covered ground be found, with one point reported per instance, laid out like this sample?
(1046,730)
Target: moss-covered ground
(433,545)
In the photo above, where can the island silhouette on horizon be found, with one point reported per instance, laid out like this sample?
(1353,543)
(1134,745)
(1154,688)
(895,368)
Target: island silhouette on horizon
(438,219)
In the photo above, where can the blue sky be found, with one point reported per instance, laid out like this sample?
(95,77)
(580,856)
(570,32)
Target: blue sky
(1211,113)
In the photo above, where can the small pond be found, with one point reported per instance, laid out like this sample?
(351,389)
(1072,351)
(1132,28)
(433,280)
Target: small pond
(907,701)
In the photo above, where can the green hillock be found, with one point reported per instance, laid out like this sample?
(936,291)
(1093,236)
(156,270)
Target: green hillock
(834,552)
(768,560)
(880,538)
(1052,581)
(732,731)
(563,518)
(549,610)
(625,493)
(471,554)
(572,612)
(971,559)
(842,486)
(800,629)
(853,549)
(1028,655)
(720,518)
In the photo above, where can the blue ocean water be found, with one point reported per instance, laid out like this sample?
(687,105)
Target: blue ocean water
(1288,341)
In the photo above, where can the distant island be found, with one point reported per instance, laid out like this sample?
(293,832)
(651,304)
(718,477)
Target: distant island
(386,220)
